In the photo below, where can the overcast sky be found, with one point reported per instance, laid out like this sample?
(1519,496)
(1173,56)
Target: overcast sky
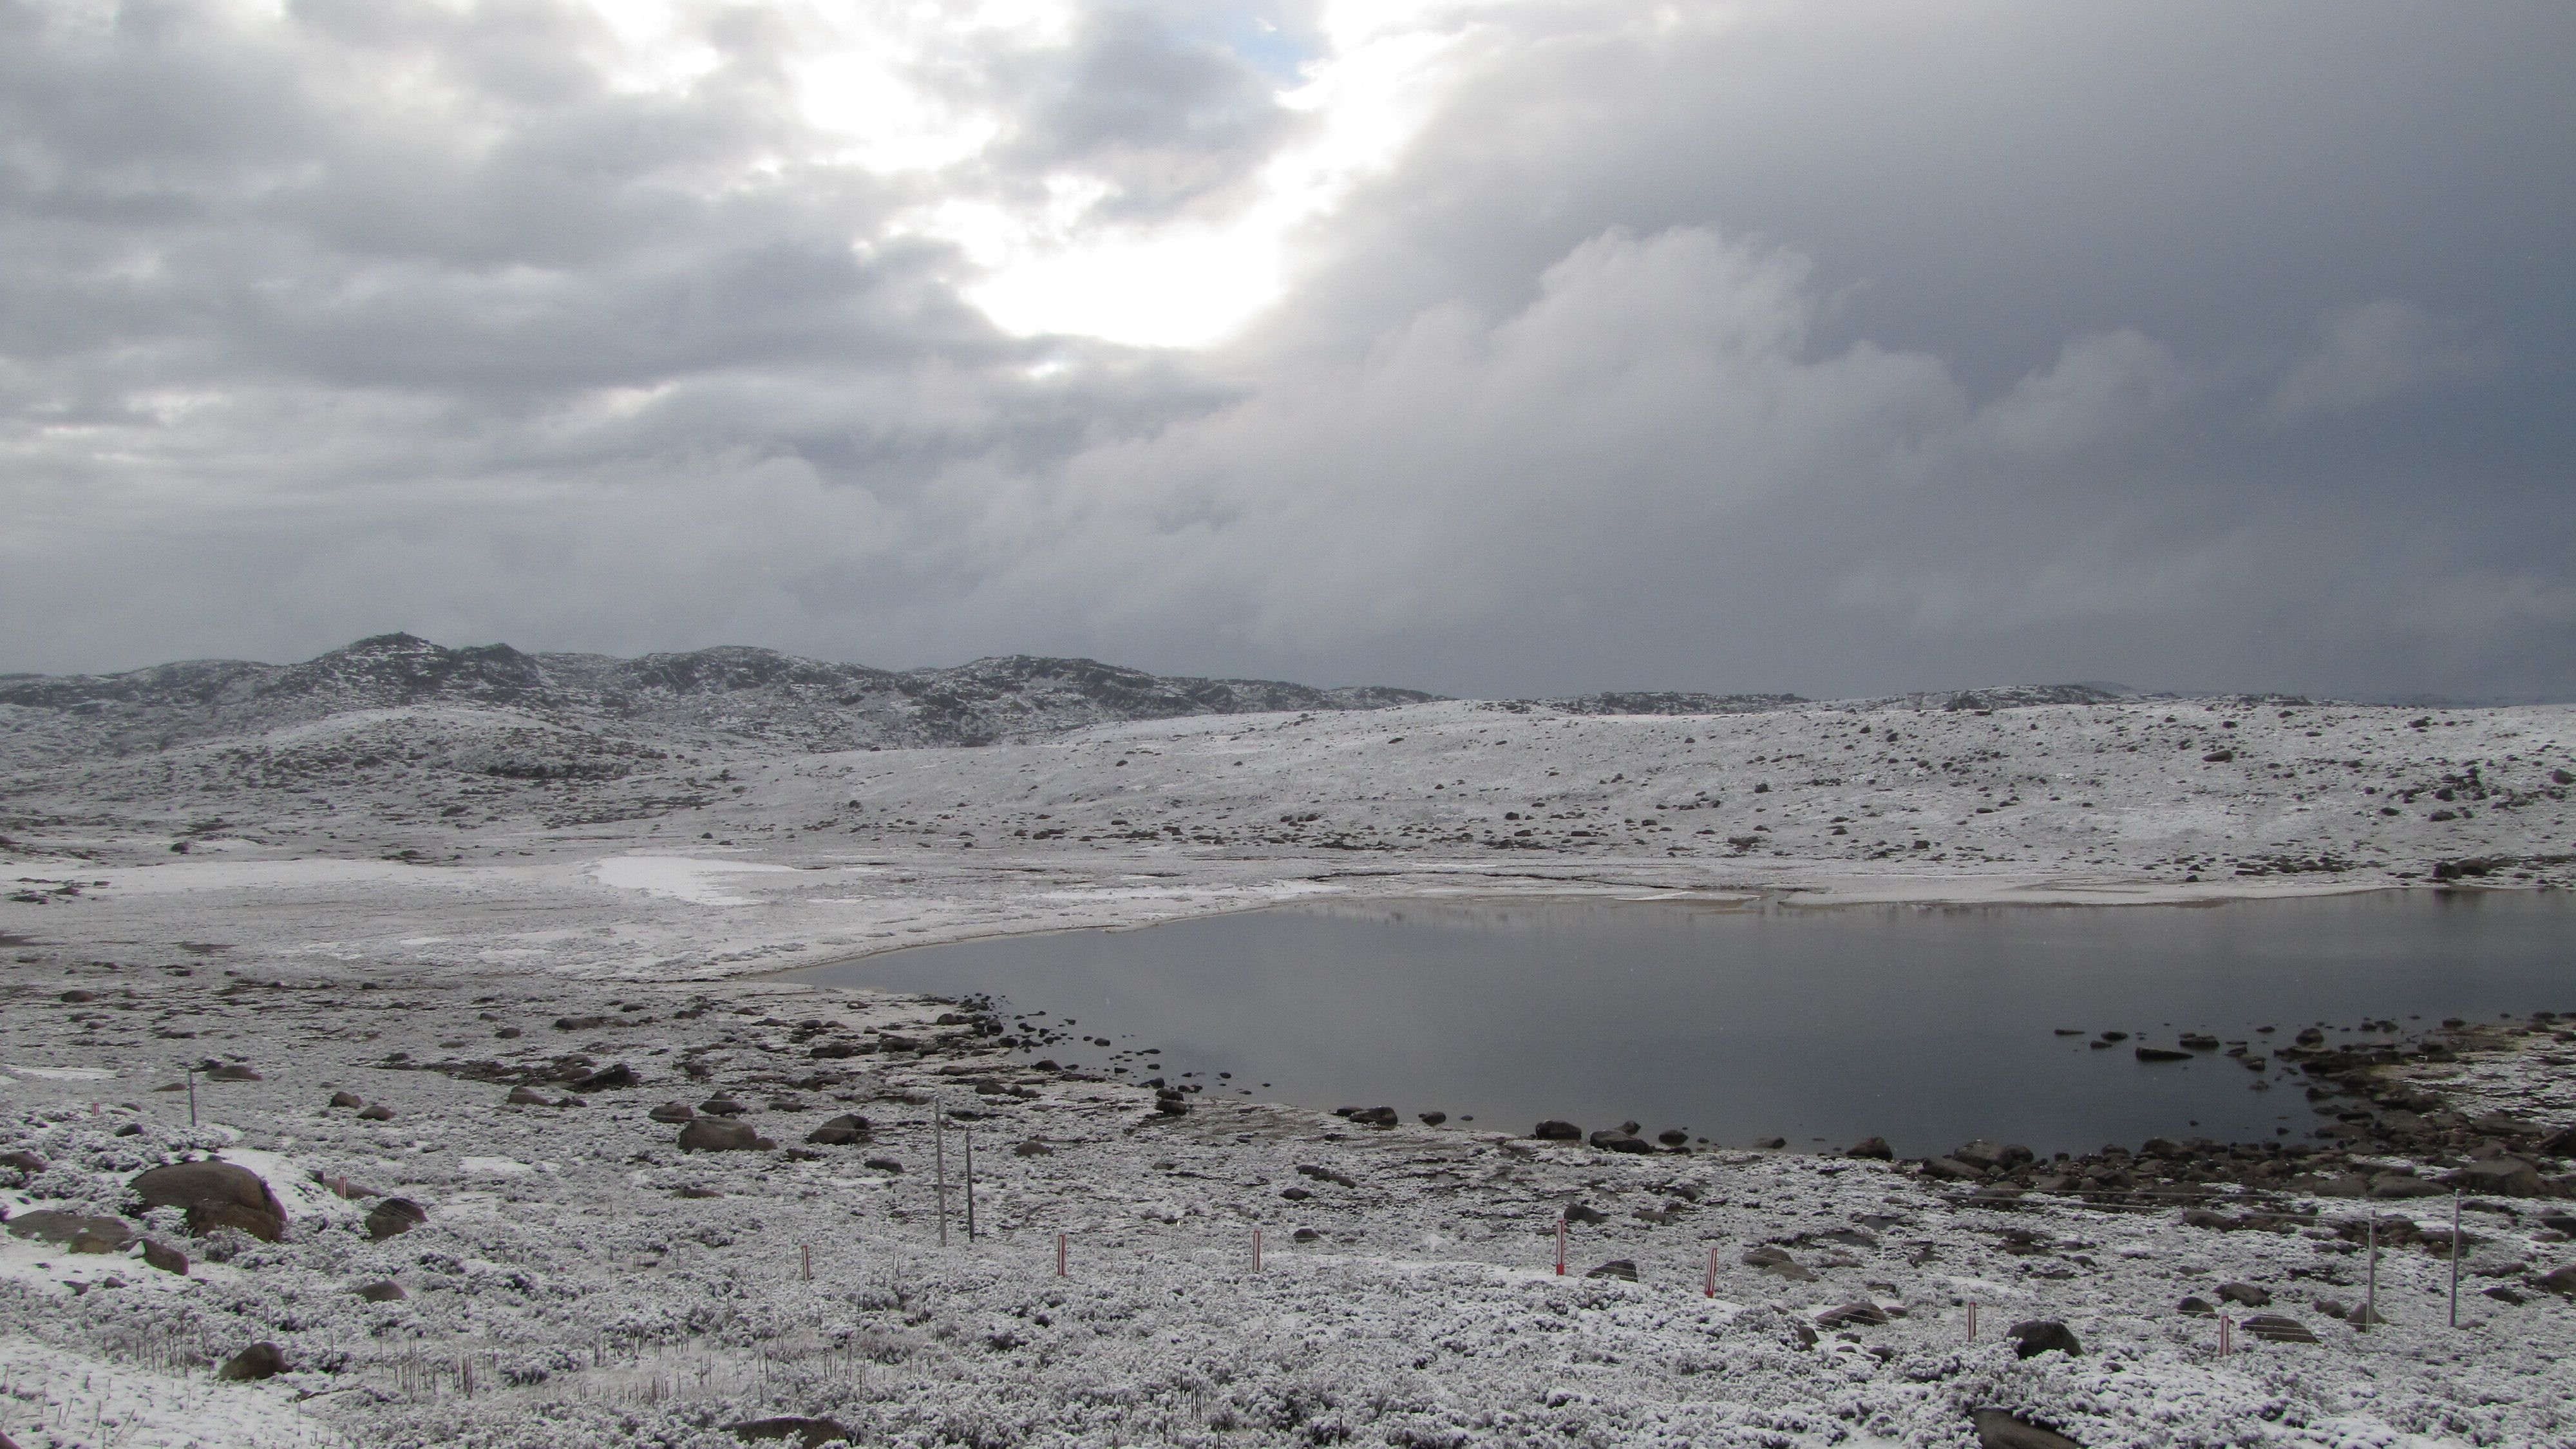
(1486,348)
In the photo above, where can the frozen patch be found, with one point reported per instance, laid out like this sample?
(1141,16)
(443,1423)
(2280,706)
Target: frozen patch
(678,877)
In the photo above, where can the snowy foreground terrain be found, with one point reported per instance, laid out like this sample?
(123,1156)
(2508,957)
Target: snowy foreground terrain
(432,898)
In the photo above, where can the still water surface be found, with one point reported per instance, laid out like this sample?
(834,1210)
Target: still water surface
(1927,1026)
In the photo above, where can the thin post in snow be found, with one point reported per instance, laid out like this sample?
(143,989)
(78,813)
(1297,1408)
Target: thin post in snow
(1256,1250)
(1059,1255)
(2455,1257)
(2226,1326)
(1972,1320)
(1560,1245)
(2370,1292)
(806,1250)
(1708,1289)
(939,1150)
(192,1096)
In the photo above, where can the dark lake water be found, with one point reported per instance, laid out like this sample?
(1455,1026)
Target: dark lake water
(1926,1025)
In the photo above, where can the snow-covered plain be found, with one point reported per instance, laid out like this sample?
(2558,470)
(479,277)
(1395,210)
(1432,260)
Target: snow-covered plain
(606,1288)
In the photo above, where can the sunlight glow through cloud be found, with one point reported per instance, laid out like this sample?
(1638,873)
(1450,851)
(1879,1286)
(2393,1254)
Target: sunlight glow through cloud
(870,83)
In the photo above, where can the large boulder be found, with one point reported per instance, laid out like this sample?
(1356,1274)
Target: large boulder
(214,1194)
(1553,1130)
(394,1217)
(1871,1147)
(259,1361)
(721,1134)
(607,1078)
(2039,1335)
(2000,1429)
(2273,1328)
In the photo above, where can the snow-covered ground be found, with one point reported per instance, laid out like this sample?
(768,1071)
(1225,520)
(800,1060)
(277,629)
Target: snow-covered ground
(602,1287)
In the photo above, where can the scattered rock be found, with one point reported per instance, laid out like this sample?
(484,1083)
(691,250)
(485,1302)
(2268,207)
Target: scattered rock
(2500,1177)
(721,1134)
(527,1097)
(2503,1294)
(2040,1335)
(259,1361)
(1375,1117)
(2197,1307)
(2162,1054)
(168,1259)
(230,1072)
(803,1432)
(383,1290)
(2001,1429)
(214,1194)
(1853,1315)
(1874,1147)
(883,1164)
(1032,1148)
(1432,1119)
(2561,1281)
(79,1232)
(26,1162)
(1619,1141)
(1673,1137)
(722,1107)
(394,1217)
(1304,1235)
(347,1099)
(607,1078)
(841,1131)
(1615,1268)
(1582,1213)
(2273,1328)
(1773,1144)
(376,1112)
(2248,1294)
(1553,1130)
(667,1112)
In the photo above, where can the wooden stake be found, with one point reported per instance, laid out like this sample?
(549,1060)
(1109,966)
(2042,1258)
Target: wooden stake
(2225,1325)
(1256,1250)
(1560,1245)
(939,1150)
(2370,1294)
(1059,1255)
(2455,1258)
(1709,1288)
(970,1184)
(192,1096)
(1972,1320)
(807,1249)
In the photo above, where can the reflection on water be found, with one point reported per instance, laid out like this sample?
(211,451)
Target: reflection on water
(1925,1025)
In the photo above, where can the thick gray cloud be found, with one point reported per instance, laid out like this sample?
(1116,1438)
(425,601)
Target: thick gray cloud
(1833,348)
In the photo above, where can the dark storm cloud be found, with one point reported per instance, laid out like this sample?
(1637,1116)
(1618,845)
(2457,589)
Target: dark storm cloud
(1836,348)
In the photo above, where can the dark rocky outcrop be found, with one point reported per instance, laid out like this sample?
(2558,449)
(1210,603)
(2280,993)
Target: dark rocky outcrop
(720,1134)
(214,1194)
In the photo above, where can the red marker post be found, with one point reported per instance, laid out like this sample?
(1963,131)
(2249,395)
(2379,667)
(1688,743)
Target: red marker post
(1560,1245)
(1059,1255)
(1709,1288)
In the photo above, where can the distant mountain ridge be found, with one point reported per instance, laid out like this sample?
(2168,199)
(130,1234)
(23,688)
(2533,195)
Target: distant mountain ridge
(749,694)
